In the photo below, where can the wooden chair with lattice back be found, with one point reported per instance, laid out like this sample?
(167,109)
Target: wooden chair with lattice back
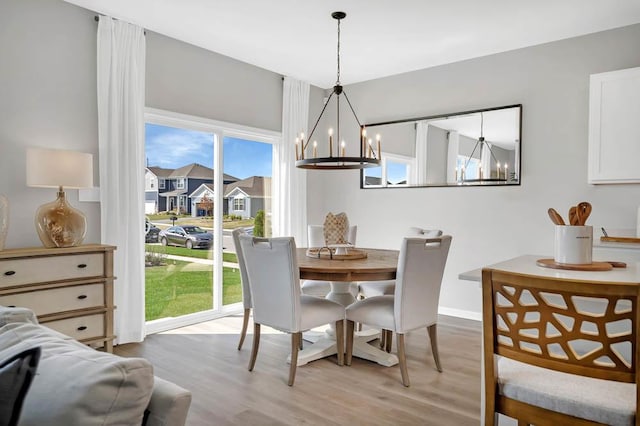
(558,351)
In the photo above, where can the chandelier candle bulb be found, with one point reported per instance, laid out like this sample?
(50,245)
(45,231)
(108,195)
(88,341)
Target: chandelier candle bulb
(379,147)
(506,175)
(330,142)
(315,149)
(480,172)
(342,149)
(498,171)
(364,142)
(297,143)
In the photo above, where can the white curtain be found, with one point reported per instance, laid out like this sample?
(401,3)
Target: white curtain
(422,130)
(453,174)
(121,68)
(290,183)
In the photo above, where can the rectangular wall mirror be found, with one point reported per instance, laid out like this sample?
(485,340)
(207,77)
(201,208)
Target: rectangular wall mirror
(468,148)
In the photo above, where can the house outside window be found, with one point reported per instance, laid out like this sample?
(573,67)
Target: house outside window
(180,183)
(161,183)
(238,204)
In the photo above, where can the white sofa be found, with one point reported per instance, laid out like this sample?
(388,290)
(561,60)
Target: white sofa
(77,385)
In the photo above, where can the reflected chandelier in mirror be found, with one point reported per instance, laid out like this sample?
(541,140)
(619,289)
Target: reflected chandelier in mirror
(471,148)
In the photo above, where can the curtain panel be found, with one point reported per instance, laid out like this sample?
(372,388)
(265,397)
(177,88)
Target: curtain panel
(121,86)
(290,183)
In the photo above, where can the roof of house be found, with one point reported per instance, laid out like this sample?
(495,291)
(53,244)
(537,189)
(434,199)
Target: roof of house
(254,186)
(159,171)
(193,170)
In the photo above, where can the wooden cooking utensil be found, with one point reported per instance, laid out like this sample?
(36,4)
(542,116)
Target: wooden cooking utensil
(583,211)
(573,216)
(555,217)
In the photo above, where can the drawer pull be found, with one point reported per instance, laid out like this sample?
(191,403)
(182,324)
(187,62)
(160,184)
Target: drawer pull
(11,306)
(82,265)
(82,328)
(82,296)
(9,273)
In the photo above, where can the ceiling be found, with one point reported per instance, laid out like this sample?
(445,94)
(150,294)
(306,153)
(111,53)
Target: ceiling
(378,37)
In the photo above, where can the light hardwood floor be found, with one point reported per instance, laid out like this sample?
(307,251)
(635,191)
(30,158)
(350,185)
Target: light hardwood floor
(204,359)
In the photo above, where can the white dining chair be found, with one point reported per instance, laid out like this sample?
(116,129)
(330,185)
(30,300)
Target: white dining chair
(315,239)
(274,277)
(414,303)
(246,292)
(381,288)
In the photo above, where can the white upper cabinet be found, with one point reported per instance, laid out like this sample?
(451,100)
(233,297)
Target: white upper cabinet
(614,127)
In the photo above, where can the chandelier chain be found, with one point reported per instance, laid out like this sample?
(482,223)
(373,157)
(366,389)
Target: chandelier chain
(338,77)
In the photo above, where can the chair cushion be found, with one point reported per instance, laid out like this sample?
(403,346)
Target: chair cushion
(315,288)
(603,401)
(377,288)
(76,385)
(374,311)
(336,228)
(316,311)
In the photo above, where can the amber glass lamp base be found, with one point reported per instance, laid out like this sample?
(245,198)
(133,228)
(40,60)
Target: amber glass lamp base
(60,225)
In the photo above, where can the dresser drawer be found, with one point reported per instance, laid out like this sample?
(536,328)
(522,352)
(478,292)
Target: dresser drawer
(32,270)
(44,302)
(85,327)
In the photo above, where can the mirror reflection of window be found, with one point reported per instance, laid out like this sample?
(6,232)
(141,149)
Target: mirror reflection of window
(395,170)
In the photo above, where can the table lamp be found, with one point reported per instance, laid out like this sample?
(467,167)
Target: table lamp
(58,224)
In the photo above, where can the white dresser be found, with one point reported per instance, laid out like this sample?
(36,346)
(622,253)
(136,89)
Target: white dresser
(69,289)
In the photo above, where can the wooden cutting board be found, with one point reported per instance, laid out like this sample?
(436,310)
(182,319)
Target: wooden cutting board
(594,266)
(621,239)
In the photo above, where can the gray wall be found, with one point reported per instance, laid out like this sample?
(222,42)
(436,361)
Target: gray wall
(437,150)
(48,96)
(47,99)
(489,224)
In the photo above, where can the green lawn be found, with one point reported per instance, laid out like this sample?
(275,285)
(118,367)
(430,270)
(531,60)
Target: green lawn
(180,288)
(182,251)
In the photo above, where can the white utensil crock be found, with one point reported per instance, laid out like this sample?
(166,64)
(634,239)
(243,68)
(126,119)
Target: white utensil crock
(574,244)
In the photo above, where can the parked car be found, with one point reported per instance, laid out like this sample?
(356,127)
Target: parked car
(150,231)
(186,236)
(152,235)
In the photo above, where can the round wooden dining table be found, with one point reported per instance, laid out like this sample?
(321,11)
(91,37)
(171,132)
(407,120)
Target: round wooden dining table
(379,265)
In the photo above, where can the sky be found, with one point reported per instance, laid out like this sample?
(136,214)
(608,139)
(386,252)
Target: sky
(171,148)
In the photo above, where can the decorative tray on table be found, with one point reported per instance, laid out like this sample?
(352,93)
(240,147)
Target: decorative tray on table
(337,252)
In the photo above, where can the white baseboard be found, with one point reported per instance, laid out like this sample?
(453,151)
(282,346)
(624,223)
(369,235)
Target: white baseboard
(459,313)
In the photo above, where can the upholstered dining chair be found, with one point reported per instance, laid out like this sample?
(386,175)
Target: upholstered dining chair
(246,292)
(381,288)
(315,239)
(274,281)
(414,303)
(559,351)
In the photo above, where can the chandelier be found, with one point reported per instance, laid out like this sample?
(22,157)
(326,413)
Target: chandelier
(337,160)
(483,145)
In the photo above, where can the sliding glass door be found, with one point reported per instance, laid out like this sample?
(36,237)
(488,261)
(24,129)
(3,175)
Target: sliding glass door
(203,179)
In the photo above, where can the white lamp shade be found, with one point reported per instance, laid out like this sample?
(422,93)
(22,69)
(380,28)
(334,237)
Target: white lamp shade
(51,168)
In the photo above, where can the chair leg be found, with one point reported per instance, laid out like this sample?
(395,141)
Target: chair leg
(402,360)
(350,326)
(295,346)
(522,423)
(388,339)
(245,323)
(383,335)
(340,341)
(433,337)
(256,344)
